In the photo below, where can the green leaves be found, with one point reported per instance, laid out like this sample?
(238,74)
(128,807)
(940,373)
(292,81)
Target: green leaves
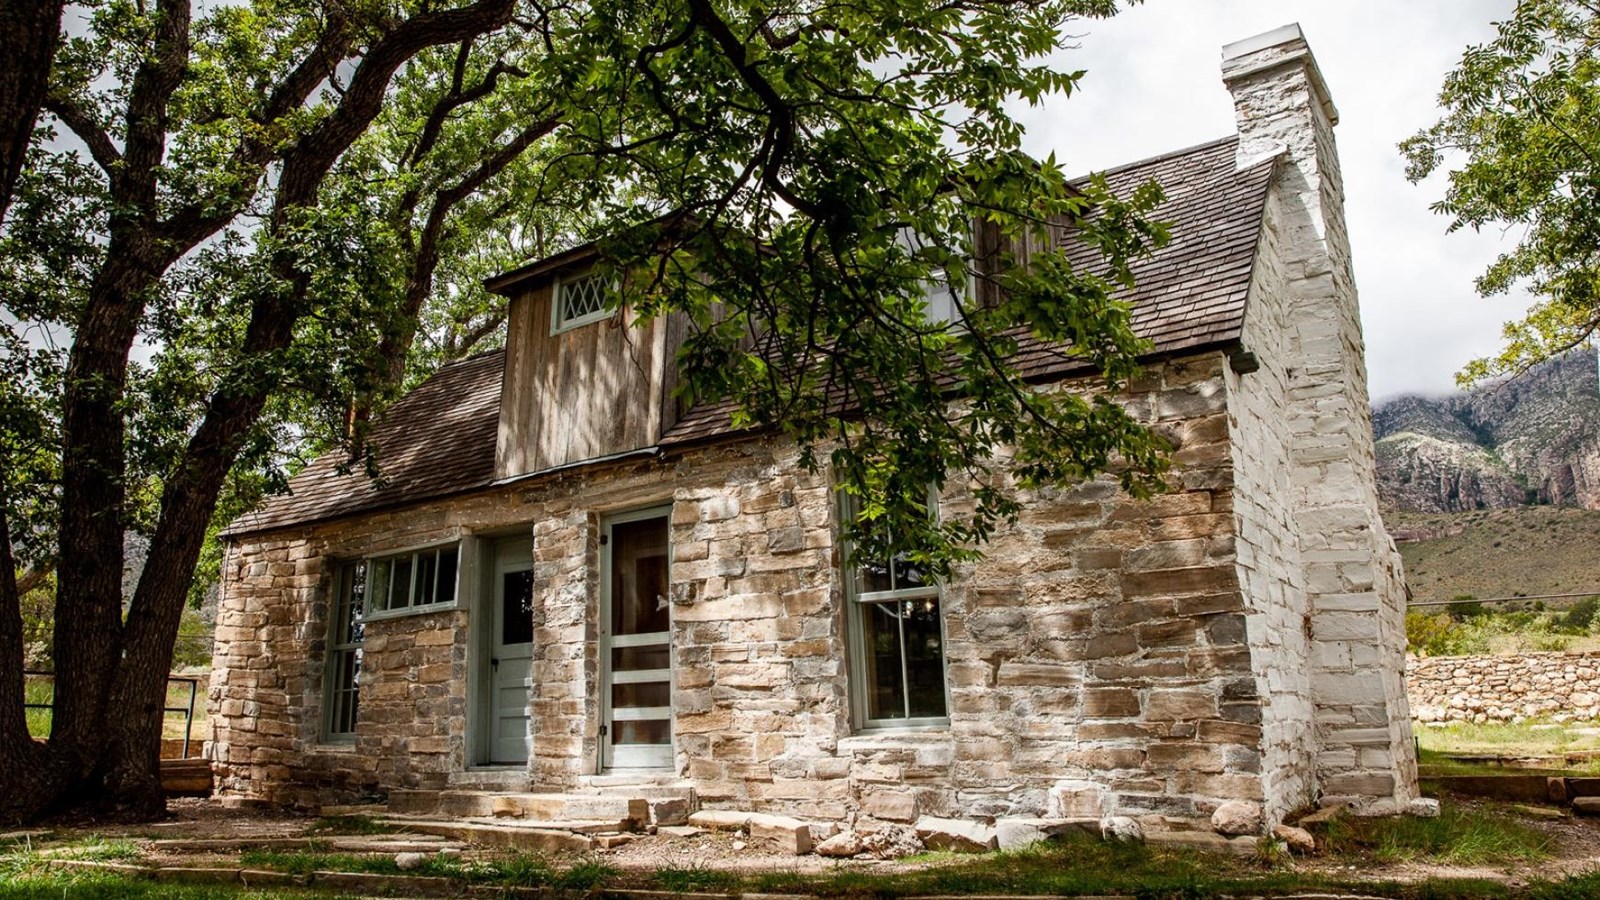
(1521,127)
(831,172)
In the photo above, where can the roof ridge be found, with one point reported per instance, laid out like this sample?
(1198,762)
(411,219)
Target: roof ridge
(1160,157)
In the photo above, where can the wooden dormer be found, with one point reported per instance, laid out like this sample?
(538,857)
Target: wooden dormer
(581,383)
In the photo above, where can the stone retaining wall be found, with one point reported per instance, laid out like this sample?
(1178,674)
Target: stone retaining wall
(1560,686)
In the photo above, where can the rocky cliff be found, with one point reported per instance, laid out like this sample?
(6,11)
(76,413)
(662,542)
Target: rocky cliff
(1529,440)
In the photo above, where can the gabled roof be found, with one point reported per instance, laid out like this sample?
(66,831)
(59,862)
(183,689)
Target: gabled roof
(1190,295)
(1187,295)
(439,439)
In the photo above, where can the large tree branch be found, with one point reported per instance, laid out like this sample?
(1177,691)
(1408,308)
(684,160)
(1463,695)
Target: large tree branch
(77,119)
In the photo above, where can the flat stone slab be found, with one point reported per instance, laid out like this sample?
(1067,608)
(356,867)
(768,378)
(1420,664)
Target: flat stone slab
(422,843)
(520,836)
(223,845)
(782,832)
(363,809)
(1204,840)
(1586,806)
(956,835)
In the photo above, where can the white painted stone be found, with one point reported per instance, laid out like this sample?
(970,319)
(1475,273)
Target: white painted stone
(1075,799)
(1016,832)
(841,846)
(1121,828)
(957,835)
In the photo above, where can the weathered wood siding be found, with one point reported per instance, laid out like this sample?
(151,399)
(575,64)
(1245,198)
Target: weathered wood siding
(588,392)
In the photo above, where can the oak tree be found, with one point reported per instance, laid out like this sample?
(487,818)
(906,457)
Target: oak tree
(270,215)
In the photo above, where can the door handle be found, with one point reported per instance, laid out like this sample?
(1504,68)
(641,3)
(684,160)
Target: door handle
(494,663)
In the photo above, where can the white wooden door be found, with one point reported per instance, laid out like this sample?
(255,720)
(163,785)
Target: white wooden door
(510,677)
(636,643)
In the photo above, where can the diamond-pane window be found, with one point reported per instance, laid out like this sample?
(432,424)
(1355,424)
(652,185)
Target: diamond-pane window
(579,301)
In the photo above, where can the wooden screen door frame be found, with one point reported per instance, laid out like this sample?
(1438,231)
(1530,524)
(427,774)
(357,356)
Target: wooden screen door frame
(632,756)
(500,555)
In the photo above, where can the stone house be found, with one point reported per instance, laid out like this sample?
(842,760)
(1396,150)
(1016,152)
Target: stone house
(563,585)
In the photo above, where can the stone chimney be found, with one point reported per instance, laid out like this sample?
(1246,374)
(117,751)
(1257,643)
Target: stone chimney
(1355,595)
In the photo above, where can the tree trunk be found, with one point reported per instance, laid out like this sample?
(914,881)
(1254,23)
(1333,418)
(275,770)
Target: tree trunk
(29,32)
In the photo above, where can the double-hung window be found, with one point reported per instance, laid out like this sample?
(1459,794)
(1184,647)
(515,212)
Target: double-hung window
(345,632)
(896,641)
(578,300)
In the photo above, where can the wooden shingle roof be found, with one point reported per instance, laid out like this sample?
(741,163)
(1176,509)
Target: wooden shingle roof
(1187,295)
(440,438)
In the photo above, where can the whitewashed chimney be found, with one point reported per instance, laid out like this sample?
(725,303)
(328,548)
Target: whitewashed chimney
(1355,607)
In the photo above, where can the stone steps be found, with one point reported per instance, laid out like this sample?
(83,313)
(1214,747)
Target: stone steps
(642,805)
(540,837)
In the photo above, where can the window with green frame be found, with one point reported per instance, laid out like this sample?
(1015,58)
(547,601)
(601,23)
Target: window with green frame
(896,640)
(412,581)
(342,689)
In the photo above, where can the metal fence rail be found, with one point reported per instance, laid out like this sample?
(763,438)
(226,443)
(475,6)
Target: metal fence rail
(193,681)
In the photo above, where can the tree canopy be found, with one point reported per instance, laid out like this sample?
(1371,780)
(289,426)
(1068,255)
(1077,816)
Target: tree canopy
(242,228)
(1520,139)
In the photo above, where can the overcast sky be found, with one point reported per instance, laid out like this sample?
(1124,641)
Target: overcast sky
(1153,85)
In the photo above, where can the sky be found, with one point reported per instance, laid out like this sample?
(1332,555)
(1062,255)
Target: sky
(1153,84)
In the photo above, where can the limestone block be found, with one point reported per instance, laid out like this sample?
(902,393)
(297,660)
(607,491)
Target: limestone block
(1076,800)
(956,835)
(669,811)
(1298,840)
(1121,828)
(842,845)
(786,834)
(1237,817)
(1017,832)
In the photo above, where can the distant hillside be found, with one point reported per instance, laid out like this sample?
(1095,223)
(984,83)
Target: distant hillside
(1533,440)
(1500,552)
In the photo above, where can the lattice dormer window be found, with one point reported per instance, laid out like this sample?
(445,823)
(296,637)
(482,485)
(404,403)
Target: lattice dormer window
(579,300)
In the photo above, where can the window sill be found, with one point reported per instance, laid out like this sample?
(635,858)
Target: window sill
(406,613)
(338,747)
(896,736)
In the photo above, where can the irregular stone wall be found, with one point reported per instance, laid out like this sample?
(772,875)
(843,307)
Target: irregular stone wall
(1559,686)
(1101,643)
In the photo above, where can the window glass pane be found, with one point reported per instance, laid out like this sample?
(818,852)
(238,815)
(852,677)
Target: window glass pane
(908,574)
(400,583)
(581,297)
(634,659)
(639,578)
(354,630)
(446,592)
(379,584)
(875,576)
(880,637)
(427,569)
(648,693)
(643,731)
(516,612)
(924,651)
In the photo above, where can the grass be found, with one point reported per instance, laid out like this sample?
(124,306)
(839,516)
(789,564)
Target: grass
(515,870)
(1508,740)
(350,825)
(41,689)
(1460,835)
(696,878)
(1082,866)
(1502,553)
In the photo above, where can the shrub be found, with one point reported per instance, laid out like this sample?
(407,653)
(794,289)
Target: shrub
(1441,635)
(1580,616)
(1465,606)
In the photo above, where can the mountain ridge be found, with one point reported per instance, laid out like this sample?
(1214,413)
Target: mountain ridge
(1530,440)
